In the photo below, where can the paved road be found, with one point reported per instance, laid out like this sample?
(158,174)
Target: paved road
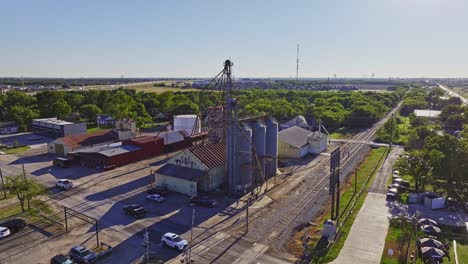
(366,240)
(452,93)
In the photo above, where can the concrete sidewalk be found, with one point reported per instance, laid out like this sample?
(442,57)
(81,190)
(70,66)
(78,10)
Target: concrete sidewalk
(366,239)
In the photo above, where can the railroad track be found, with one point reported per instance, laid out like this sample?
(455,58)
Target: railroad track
(289,221)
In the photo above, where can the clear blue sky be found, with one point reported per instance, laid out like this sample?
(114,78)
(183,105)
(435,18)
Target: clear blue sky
(174,38)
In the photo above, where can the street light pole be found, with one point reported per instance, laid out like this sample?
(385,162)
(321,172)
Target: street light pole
(191,237)
(3,184)
(355,181)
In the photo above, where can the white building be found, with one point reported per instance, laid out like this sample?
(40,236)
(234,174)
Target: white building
(55,128)
(296,142)
(427,113)
(191,124)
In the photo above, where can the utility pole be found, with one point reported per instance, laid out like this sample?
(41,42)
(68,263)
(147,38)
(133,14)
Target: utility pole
(391,133)
(191,237)
(305,240)
(3,184)
(24,176)
(355,180)
(247,217)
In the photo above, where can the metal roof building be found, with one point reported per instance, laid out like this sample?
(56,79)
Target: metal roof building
(198,168)
(296,142)
(116,154)
(427,113)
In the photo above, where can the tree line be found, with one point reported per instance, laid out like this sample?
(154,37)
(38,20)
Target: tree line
(335,109)
(437,149)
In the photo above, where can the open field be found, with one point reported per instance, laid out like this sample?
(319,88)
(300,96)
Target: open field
(148,87)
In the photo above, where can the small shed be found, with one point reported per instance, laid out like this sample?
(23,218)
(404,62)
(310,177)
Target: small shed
(317,142)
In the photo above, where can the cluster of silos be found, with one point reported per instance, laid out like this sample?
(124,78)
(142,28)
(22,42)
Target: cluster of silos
(256,136)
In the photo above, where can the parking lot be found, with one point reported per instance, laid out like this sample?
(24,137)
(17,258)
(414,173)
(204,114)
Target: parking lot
(102,195)
(27,139)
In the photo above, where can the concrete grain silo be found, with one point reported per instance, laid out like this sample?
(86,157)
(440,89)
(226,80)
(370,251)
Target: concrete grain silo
(245,158)
(259,142)
(271,165)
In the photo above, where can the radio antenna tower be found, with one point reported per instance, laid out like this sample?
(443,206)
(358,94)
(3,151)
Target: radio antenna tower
(297,63)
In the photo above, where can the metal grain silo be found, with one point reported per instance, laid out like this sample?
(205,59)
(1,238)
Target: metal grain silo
(245,158)
(259,142)
(271,165)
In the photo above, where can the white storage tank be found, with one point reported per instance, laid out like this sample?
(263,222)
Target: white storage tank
(191,124)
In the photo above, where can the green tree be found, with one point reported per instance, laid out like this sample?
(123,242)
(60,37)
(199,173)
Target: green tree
(449,158)
(119,105)
(89,112)
(17,98)
(22,115)
(418,166)
(23,188)
(74,100)
(47,99)
(60,109)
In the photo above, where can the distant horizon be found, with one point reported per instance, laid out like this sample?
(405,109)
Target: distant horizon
(237,78)
(352,39)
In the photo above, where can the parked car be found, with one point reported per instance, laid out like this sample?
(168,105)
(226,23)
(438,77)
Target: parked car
(396,173)
(394,185)
(64,184)
(174,241)
(391,196)
(4,232)
(61,162)
(81,254)
(14,225)
(451,204)
(158,190)
(392,190)
(34,138)
(60,259)
(134,210)
(155,198)
(401,182)
(202,201)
